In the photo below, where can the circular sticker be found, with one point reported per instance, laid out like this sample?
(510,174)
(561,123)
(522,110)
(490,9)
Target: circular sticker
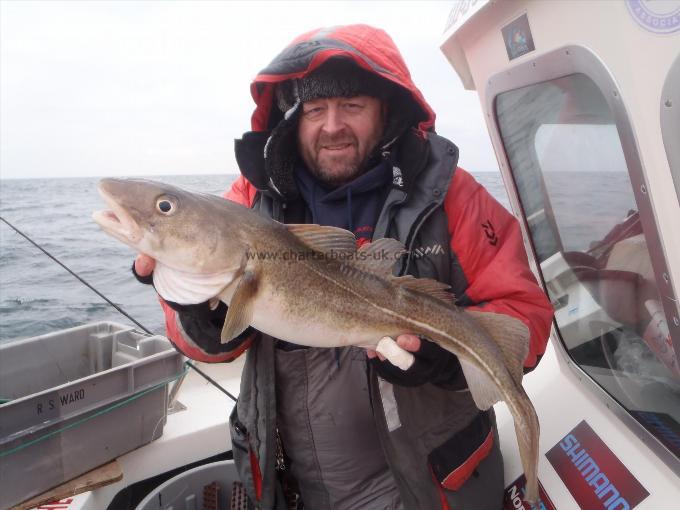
(658,16)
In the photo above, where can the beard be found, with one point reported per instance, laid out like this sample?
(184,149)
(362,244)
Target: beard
(334,170)
(335,178)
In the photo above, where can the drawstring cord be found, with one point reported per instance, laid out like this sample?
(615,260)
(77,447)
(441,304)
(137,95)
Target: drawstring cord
(350,224)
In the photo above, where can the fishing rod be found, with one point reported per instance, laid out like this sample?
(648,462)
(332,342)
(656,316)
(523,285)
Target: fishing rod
(123,312)
(81,280)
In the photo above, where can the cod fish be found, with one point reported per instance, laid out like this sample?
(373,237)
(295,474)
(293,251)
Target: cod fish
(309,285)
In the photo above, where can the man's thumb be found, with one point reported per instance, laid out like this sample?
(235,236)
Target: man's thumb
(144,265)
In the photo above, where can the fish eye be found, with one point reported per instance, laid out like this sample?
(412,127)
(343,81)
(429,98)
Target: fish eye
(165,205)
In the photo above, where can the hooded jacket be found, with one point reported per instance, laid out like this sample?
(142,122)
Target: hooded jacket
(434,439)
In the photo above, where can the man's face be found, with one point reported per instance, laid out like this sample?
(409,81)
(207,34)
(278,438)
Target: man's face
(336,136)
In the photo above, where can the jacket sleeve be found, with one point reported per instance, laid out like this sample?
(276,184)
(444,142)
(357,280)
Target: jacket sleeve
(195,330)
(487,241)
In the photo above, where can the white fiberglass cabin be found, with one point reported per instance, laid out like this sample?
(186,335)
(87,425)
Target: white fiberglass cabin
(582,104)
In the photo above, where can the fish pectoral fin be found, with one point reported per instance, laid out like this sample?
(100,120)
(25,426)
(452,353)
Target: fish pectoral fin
(511,335)
(324,239)
(484,391)
(240,312)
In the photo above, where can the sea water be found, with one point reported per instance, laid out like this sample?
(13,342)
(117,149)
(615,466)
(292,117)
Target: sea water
(38,296)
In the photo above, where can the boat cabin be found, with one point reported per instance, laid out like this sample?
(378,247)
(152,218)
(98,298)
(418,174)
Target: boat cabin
(582,105)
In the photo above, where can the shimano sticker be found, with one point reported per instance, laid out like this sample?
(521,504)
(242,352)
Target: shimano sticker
(593,474)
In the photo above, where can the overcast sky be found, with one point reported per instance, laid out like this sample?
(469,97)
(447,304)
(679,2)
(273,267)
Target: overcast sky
(93,88)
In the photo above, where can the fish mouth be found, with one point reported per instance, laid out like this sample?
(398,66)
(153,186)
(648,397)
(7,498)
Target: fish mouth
(116,221)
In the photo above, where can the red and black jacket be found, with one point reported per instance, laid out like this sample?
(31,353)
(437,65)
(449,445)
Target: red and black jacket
(456,231)
(497,276)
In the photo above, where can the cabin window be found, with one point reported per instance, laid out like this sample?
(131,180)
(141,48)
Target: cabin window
(670,121)
(568,165)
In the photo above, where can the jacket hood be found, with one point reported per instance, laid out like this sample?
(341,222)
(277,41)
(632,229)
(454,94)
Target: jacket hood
(370,48)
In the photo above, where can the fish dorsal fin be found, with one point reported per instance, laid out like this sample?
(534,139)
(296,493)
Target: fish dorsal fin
(511,335)
(379,256)
(427,286)
(328,240)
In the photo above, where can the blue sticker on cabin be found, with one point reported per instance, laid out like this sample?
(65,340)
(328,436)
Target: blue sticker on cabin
(518,38)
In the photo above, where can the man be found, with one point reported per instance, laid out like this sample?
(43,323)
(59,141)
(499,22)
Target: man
(342,137)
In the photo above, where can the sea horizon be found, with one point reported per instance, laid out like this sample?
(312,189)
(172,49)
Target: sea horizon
(37,296)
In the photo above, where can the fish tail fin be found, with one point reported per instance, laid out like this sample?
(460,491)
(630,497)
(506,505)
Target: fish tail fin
(527,431)
(512,339)
(512,336)
(508,335)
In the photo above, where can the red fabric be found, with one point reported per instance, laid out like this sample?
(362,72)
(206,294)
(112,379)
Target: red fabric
(487,240)
(499,273)
(442,495)
(256,473)
(241,192)
(458,476)
(190,350)
(265,99)
(371,44)
(54,505)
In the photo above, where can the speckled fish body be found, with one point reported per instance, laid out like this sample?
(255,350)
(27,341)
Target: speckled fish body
(309,285)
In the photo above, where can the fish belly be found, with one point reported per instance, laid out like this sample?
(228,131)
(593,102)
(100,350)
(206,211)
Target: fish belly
(273,316)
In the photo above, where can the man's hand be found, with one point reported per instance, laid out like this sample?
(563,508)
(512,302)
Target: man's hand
(432,364)
(407,342)
(201,323)
(143,268)
(144,265)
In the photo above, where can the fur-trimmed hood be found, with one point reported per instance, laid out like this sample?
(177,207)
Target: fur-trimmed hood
(267,155)
(371,48)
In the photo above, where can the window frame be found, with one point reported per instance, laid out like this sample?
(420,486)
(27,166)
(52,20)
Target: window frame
(558,63)
(670,121)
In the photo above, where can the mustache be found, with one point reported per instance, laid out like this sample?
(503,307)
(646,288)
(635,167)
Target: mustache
(335,139)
